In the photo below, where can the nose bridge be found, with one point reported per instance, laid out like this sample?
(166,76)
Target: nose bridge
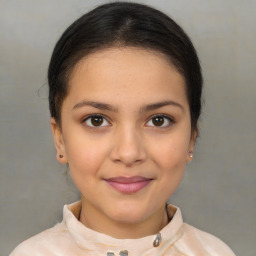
(129,146)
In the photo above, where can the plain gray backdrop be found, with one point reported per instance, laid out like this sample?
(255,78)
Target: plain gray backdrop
(218,191)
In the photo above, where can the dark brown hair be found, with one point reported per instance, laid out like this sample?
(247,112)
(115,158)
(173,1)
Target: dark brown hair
(124,24)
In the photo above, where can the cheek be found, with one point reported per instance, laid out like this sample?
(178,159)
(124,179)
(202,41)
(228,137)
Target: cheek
(171,163)
(85,155)
(172,154)
(85,159)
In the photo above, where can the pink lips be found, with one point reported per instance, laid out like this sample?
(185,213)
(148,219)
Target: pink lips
(128,185)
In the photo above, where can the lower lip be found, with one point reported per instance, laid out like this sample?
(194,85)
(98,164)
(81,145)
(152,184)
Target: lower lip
(129,188)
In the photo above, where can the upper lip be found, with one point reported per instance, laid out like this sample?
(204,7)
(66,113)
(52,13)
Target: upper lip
(127,180)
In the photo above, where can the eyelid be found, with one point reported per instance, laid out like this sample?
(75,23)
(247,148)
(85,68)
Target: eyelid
(95,115)
(169,118)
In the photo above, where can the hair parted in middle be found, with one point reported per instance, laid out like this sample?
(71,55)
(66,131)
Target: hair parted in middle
(124,24)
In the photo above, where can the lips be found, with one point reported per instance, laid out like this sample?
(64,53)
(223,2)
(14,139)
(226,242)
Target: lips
(128,185)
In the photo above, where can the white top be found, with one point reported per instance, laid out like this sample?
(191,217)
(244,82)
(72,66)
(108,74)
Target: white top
(72,238)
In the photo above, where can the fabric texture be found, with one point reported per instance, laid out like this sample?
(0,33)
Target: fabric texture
(71,237)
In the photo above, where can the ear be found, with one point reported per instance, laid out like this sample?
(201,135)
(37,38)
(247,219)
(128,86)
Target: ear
(59,142)
(190,154)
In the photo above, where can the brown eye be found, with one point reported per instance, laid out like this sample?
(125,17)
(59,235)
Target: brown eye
(96,121)
(160,121)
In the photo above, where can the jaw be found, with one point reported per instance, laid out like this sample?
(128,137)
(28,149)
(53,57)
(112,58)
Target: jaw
(124,221)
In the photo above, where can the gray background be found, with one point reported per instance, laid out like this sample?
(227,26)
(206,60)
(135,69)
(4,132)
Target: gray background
(218,190)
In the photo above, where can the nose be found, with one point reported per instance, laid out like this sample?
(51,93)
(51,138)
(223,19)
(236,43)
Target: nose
(128,147)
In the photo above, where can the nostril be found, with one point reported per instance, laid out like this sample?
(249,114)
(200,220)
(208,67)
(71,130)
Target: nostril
(128,156)
(128,147)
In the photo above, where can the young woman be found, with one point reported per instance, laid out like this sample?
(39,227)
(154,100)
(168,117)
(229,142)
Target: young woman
(125,87)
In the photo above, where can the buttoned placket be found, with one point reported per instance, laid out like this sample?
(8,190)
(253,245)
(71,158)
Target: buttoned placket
(156,243)
(121,253)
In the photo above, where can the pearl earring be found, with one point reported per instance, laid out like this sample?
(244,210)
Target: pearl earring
(190,154)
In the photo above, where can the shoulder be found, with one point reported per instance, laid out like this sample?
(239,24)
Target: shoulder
(192,241)
(205,242)
(44,243)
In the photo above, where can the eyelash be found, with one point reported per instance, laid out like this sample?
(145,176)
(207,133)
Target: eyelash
(169,119)
(93,116)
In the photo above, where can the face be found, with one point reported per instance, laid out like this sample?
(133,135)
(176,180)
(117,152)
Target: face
(126,132)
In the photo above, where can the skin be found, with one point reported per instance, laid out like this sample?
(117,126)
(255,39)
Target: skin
(127,143)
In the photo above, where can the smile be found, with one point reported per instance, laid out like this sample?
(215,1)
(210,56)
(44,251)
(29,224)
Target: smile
(128,185)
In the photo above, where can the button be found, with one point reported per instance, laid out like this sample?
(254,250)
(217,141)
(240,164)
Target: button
(157,240)
(123,253)
(110,254)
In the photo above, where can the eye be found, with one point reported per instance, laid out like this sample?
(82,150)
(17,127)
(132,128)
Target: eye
(96,121)
(160,121)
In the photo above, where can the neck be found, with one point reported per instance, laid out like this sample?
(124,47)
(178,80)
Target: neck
(96,220)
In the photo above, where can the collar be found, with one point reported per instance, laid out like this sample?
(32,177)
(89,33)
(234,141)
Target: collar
(91,240)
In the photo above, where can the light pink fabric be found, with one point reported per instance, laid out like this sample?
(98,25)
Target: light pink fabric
(72,238)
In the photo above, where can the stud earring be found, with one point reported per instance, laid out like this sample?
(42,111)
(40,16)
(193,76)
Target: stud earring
(190,153)
(61,156)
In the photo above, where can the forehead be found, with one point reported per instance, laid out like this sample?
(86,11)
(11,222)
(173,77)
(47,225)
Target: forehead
(126,73)
(124,59)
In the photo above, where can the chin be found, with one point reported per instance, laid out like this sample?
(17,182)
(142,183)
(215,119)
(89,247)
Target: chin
(131,215)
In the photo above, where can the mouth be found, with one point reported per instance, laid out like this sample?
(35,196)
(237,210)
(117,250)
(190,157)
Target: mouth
(128,185)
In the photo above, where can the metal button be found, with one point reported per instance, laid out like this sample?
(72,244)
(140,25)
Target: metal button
(158,240)
(123,253)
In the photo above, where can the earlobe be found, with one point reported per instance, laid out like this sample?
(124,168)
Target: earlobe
(58,141)
(191,145)
(190,156)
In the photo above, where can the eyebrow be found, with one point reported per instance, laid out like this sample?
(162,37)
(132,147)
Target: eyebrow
(101,106)
(108,107)
(161,104)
